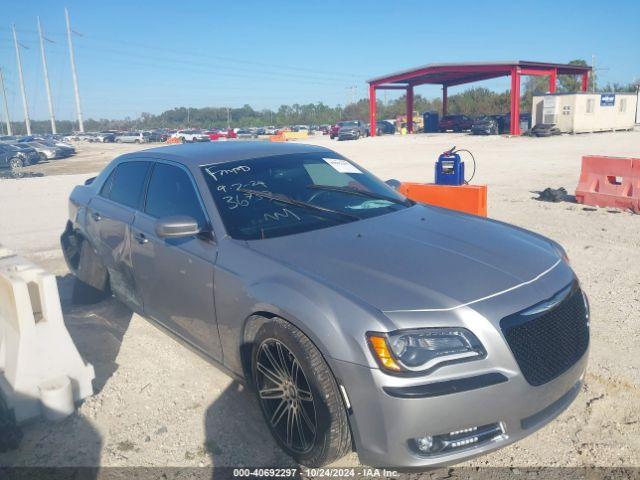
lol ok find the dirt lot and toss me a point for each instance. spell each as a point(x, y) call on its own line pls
point(157, 403)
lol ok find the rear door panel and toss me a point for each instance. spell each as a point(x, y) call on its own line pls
point(109, 226)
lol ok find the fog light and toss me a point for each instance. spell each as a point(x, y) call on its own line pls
point(424, 444)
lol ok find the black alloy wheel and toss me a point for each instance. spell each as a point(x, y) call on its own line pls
point(286, 396)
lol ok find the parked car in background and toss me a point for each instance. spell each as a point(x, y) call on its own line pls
point(10, 157)
point(335, 128)
point(132, 137)
point(487, 125)
point(191, 135)
point(67, 148)
point(384, 127)
point(246, 133)
point(104, 137)
point(352, 130)
point(418, 335)
point(270, 130)
point(544, 130)
point(456, 123)
point(48, 151)
point(156, 136)
point(28, 154)
point(86, 137)
point(221, 134)
point(325, 129)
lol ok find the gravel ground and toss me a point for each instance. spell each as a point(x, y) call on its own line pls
point(159, 404)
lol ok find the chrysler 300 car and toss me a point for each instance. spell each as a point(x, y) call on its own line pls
point(417, 335)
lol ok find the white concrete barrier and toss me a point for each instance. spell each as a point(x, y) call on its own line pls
point(35, 346)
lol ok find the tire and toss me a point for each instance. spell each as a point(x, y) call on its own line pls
point(136, 141)
point(15, 163)
point(118, 140)
point(183, 140)
point(308, 390)
point(43, 157)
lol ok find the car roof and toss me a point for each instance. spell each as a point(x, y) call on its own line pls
point(199, 154)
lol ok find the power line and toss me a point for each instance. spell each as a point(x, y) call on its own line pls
point(119, 55)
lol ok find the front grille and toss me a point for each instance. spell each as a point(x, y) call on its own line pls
point(547, 344)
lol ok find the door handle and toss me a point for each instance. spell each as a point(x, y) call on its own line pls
point(141, 238)
point(96, 216)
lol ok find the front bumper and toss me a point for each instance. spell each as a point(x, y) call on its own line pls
point(384, 425)
point(348, 135)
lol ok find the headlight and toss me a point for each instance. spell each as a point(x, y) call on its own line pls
point(424, 349)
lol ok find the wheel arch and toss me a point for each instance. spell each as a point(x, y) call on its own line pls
point(254, 322)
point(95, 274)
point(252, 326)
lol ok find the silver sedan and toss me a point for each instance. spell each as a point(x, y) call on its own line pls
point(417, 335)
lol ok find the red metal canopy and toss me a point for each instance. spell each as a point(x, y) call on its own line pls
point(451, 74)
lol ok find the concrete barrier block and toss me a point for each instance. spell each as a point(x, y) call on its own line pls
point(35, 345)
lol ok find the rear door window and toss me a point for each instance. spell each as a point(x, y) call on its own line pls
point(128, 183)
point(171, 192)
point(105, 191)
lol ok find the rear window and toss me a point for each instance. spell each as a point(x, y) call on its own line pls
point(126, 184)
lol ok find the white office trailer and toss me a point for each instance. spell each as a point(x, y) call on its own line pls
point(585, 112)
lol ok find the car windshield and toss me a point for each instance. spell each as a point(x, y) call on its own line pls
point(348, 124)
point(316, 190)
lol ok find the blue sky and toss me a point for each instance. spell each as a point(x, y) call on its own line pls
point(142, 56)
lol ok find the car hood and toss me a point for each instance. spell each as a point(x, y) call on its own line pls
point(418, 258)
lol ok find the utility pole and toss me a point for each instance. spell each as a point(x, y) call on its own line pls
point(228, 119)
point(27, 122)
point(6, 105)
point(52, 117)
point(74, 74)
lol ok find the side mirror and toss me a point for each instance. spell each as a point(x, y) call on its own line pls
point(178, 226)
point(393, 183)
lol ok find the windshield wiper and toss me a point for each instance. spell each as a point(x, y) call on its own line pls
point(362, 193)
point(278, 197)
